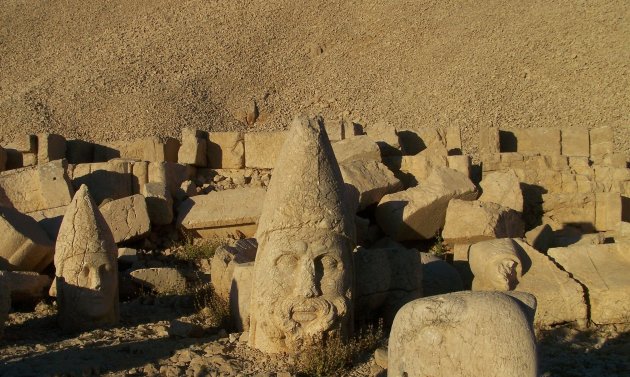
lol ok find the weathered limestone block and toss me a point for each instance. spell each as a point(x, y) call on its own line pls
point(495, 265)
point(386, 137)
point(263, 148)
point(361, 147)
point(303, 272)
point(86, 267)
point(105, 180)
point(576, 209)
point(422, 164)
point(155, 150)
point(172, 174)
point(50, 147)
point(616, 160)
point(475, 221)
point(240, 295)
point(37, 188)
point(387, 277)
point(24, 143)
point(463, 334)
point(418, 212)
point(438, 276)
point(416, 140)
point(601, 142)
point(453, 140)
point(608, 208)
point(576, 142)
point(24, 246)
point(337, 130)
point(460, 163)
point(159, 203)
point(603, 270)
point(225, 259)
point(502, 188)
point(540, 238)
point(534, 141)
point(371, 179)
point(160, 279)
point(610, 179)
point(221, 213)
point(27, 287)
point(489, 141)
point(194, 148)
point(128, 218)
point(560, 298)
point(226, 150)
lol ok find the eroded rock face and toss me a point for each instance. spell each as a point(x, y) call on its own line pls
point(495, 264)
point(463, 334)
point(86, 268)
point(303, 269)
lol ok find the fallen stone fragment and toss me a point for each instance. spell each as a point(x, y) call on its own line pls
point(159, 203)
point(222, 268)
point(419, 212)
point(128, 218)
point(37, 188)
point(221, 213)
point(240, 294)
point(262, 148)
point(193, 150)
point(50, 147)
point(474, 221)
point(502, 188)
point(27, 287)
point(603, 270)
point(463, 334)
point(540, 238)
point(160, 279)
point(422, 164)
point(459, 163)
point(226, 150)
point(438, 276)
point(560, 298)
point(371, 179)
point(127, 255)
point(24, 245)
point(355, 148)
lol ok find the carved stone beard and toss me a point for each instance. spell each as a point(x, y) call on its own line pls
point(305, 321)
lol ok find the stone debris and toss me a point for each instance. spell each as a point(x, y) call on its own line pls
point(160, 279)
point(24, 245)
point(419, 212)
point(222, 213)
point(449, 331)
point(603, 271)
point(370, 179)
point(86, 268)
point(473, 221)
point(360, 147)
point(128, 218)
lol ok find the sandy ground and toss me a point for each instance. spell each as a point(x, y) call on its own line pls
point(120, 69)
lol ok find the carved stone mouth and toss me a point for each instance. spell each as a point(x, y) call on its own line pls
point(306, 311)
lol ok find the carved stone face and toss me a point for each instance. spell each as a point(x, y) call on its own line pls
point(91, 286)
point(305, 282)
point(503, 274)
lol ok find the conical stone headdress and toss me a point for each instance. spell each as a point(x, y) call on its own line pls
point(306, 189)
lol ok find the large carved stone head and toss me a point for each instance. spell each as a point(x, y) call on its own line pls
point(86, 267)
point(302, 287)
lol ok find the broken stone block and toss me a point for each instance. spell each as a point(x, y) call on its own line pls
point(460, 163)
point(419, 212)
point(489, 141)
point(601, 142)
point(172, 174)
point(27, 287)
point(502, 188)
point(608, 208)
point(222, 213)
point(193, 150)
point(240, 295)
point(160, 279)
point(127, 255)
point(495, 264)
point(603, 270)
point(336, 130)
point(24, 143)
point(371, 179)
point(50, 147)
point(453, 140)
point(360, 147)
point(540, 238)
point(464, 334)
point(416, 140)
point(159, 203)
point(575, 209)
point(386, 137)
point(105, 180)
point(37, 188)
point(576, 142)
point(475, 221)
point(155, 150)
point(224, 261)
point(422, 164)
point(263, 148)
point(226, 150)
point(438, 276)
point(533, 141)
point(49, 220)
point(128, 218)
point(610, 179)
point(25, 246)
point(560, 298)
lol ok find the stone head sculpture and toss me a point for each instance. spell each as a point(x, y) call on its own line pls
point(86, 267)
point(302, 282)
point(495, 265)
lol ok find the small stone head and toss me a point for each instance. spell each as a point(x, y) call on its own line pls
point(303, 270)
point(495, 265)
point(86, 267)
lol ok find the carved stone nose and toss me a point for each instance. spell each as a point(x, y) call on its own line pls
point(306, 281)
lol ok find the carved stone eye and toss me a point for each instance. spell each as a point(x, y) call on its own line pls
point(286, 261)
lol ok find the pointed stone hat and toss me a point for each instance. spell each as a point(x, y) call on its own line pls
point(83, 231)
point(306, 189)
